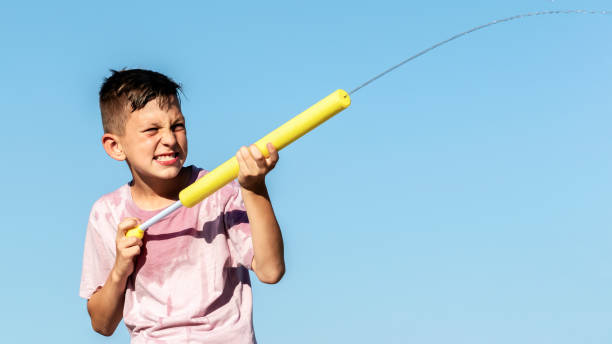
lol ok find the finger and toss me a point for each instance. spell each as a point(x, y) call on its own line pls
point(257, 155)
point(130, 252)
point(242, 163)
point(125, 225)
point(240, 159)
point(250, 163)
point(125, 242)
point(273, 158)
point(258, 158)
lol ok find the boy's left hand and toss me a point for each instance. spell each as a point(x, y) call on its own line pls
point(254, 166)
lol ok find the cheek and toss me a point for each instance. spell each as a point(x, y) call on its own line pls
point(182, 141)
point(145, 146)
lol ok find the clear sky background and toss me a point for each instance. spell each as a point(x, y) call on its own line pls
point(464, 198)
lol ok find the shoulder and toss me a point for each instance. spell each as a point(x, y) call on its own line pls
point(105, 210)
point(114, 199)
point(198, 172)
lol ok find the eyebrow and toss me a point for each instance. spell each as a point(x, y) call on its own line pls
point(179, 119)
point(156, 123)
point(151, 124)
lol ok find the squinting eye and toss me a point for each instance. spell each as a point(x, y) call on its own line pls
point(150, 130)
point(179, 126)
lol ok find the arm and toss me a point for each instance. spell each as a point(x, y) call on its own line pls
point(268, 260)
point(105, 306)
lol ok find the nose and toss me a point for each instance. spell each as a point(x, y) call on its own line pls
point(168, 137)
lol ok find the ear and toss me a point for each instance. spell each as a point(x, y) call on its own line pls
point(112, 146)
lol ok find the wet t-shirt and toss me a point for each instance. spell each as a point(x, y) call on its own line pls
point(191, 281)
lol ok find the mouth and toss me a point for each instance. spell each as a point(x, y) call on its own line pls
point(166, 158)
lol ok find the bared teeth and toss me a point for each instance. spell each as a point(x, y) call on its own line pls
point(166, 157)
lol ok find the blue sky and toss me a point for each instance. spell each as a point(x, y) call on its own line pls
point(465, 198)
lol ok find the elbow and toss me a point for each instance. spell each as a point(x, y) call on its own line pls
point(99, 324)
point(103, 330)
point(272, 275)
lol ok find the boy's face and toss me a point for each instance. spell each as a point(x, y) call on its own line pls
point(154, 141)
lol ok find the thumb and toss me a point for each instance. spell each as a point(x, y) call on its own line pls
point(125, 225)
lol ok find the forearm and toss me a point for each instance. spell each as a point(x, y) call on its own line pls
point(105, 306)
point(268, 260)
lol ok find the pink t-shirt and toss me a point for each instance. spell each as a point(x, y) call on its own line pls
point(191, 281)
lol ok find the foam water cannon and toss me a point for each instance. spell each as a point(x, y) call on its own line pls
point(281, 137)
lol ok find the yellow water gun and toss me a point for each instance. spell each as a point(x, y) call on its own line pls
point(228, 171)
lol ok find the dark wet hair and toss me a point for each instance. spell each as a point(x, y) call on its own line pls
point(126, 91)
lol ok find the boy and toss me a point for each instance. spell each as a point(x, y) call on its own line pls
point(187, 279)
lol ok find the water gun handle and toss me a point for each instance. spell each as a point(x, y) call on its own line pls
point(135, 232)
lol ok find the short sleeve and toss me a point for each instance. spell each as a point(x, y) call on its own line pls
point(98, 254)
point(238, 229)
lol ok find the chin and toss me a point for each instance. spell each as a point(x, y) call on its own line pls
point(169, 172)
point(159, 171)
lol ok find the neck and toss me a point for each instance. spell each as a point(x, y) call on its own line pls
point(150, 194)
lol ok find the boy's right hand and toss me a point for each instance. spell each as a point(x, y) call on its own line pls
point(126, 249)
